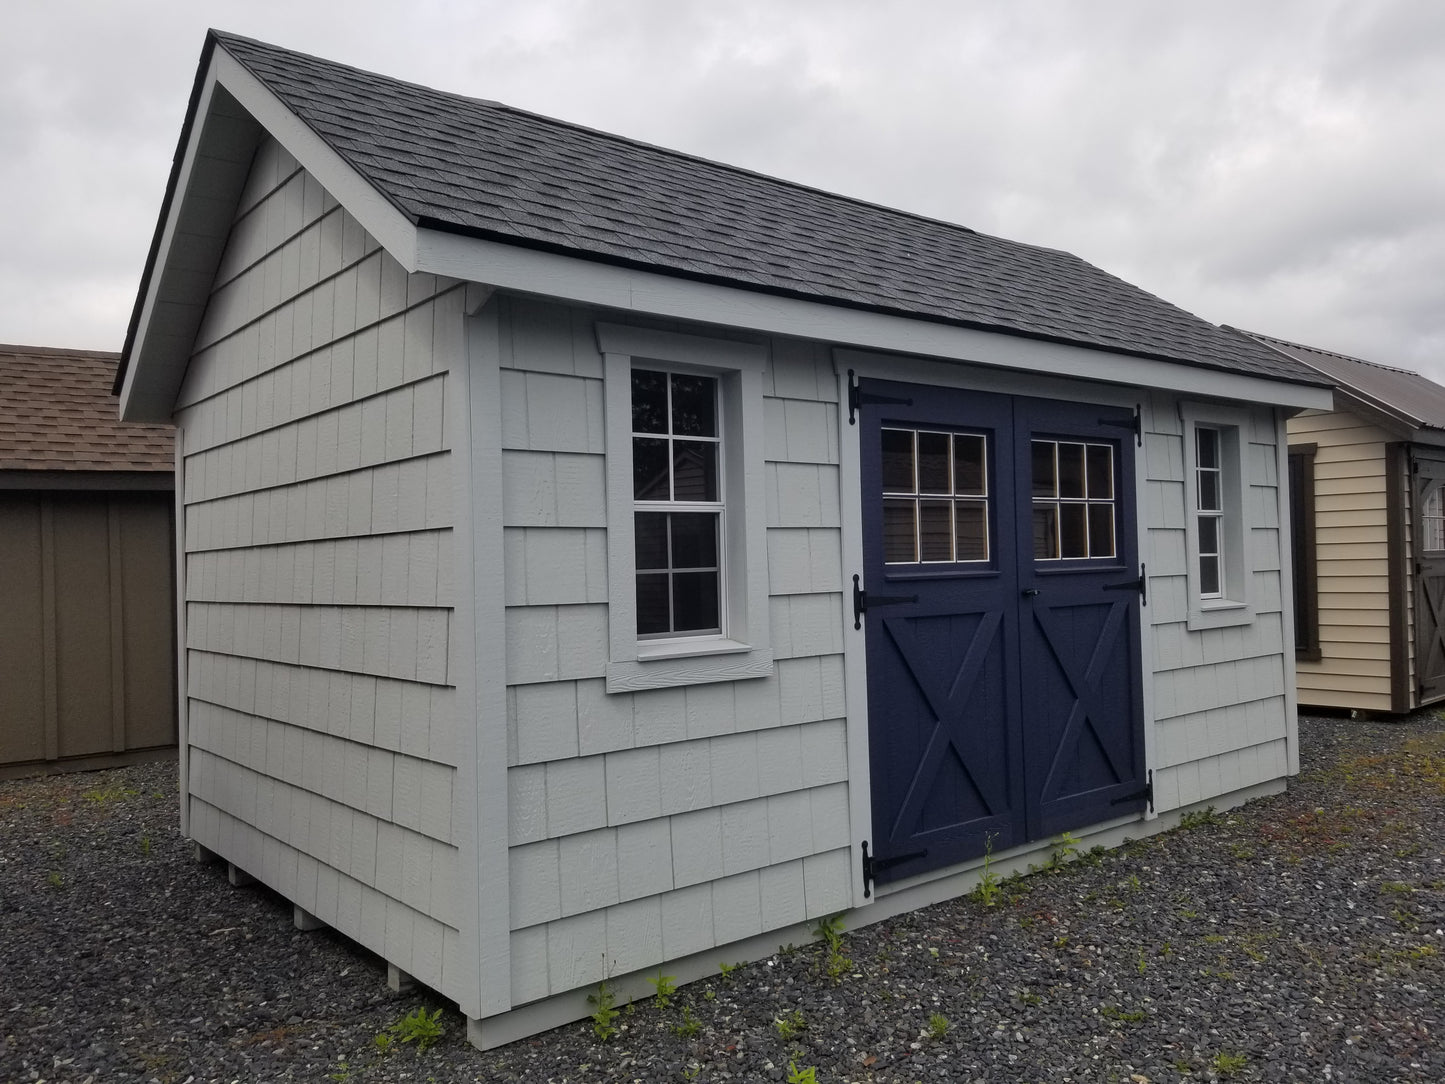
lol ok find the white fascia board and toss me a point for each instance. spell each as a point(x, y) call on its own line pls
point(131, 408)
point(512, 267)
point(377, 215)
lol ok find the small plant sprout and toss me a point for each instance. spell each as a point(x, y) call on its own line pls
point(937, 1026)
point(604, 1012)
point(806, 1075)
point(417, 1027)
point(987, 890)
point(689, 1026)
point(1199, 818)
point(145, 846)
point(789, 1024)
point(830, 930)
point(1065, 850)
point(666, 986)
point(1229, 1064)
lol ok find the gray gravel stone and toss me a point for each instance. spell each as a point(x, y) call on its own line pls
point(1300, 938)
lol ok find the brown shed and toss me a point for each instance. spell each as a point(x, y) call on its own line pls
point(87, 604)
point(1367, 501)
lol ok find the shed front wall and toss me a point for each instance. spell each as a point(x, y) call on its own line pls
point(315, 475)
point(648, 826)
point(1352, 562)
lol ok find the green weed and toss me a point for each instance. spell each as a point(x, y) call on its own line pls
point(937, 1026)
point(665, 986)
point(987, 890)
point(416, 1027)
point(689, 1026)
point(789, 1025)
point(1199, 818)
point(604, 1012)
point(1229, 1064)
point(806, 1075)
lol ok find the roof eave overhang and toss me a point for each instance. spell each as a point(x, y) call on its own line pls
point(551, 274)
point(230, 109)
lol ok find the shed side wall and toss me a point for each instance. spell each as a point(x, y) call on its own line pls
point(1353, 670)
point(318, 513)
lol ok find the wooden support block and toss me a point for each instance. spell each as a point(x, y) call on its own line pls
point(238, 877)
point(305, 920)
point(399, 981)
point(205, 856)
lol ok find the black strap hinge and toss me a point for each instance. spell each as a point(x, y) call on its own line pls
point(1135, 424)
point(1141, 585)
point(862, 600)
point(873, 866)
point(856, 398)
point(1147, 794)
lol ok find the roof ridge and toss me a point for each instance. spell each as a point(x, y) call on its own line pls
point(57, 351)
point(613, 137)
point(1327, 353)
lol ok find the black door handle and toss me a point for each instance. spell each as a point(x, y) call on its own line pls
point(1029, 592)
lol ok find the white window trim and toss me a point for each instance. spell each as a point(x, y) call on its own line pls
point(744, 649)
point(1235, 604)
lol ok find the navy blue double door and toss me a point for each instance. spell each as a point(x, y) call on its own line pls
point(1000, 592)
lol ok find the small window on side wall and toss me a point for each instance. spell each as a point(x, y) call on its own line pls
point(686, 549)
point(1220, 568)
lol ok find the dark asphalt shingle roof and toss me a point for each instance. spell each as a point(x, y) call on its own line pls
point(470, 166)
point(57, 413)
point(1408, 395)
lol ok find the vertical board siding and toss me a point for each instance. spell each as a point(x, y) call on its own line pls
point(1352, 563)
point(651, 825)
point(318, 513)
point(1220, 714)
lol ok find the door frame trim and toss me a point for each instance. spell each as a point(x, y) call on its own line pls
point(851, 364)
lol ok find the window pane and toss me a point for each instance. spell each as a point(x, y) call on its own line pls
point(898, 461)
point(649, 401)
point(1045, 483)
point(694, 602)
point(899, 542)
point(1208, 534)
point(1209, 575)
point(1206, 447)
point(1101, 530)
point(1209, 491)
point(968, 465)
point(1071, 470)
point(650, 529)
point(933, 455)
point(1101, 472)
point(1073, 530)
point(694, 540)
point(694, 470)
point(652, 604)
point(694, 405)
point(1046, 530)
point(971, 518)
point(935, 530)
point(649, 469)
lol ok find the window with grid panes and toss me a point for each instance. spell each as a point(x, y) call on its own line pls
point(935, 497)
point(1209, 511)
point(1073, 500)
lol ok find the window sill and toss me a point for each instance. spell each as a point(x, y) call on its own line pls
point(689, 648)
point(1218, 613)
point(694, 662)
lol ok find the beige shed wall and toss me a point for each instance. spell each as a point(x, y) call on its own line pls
point(1353, 670)
point(316, 476)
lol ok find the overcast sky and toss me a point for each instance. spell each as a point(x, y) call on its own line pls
point(1278, 165)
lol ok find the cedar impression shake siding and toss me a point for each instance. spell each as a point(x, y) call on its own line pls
point(317, 535)
point(1221, 713)
point(647, 826)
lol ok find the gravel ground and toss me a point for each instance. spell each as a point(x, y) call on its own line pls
point(1296, 939)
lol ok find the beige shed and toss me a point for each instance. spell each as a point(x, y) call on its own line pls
point(87, 610)
point(1367, 500)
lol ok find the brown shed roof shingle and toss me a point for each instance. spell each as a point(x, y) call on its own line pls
point(57, 413)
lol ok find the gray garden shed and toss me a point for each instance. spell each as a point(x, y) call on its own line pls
point(598, 559)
